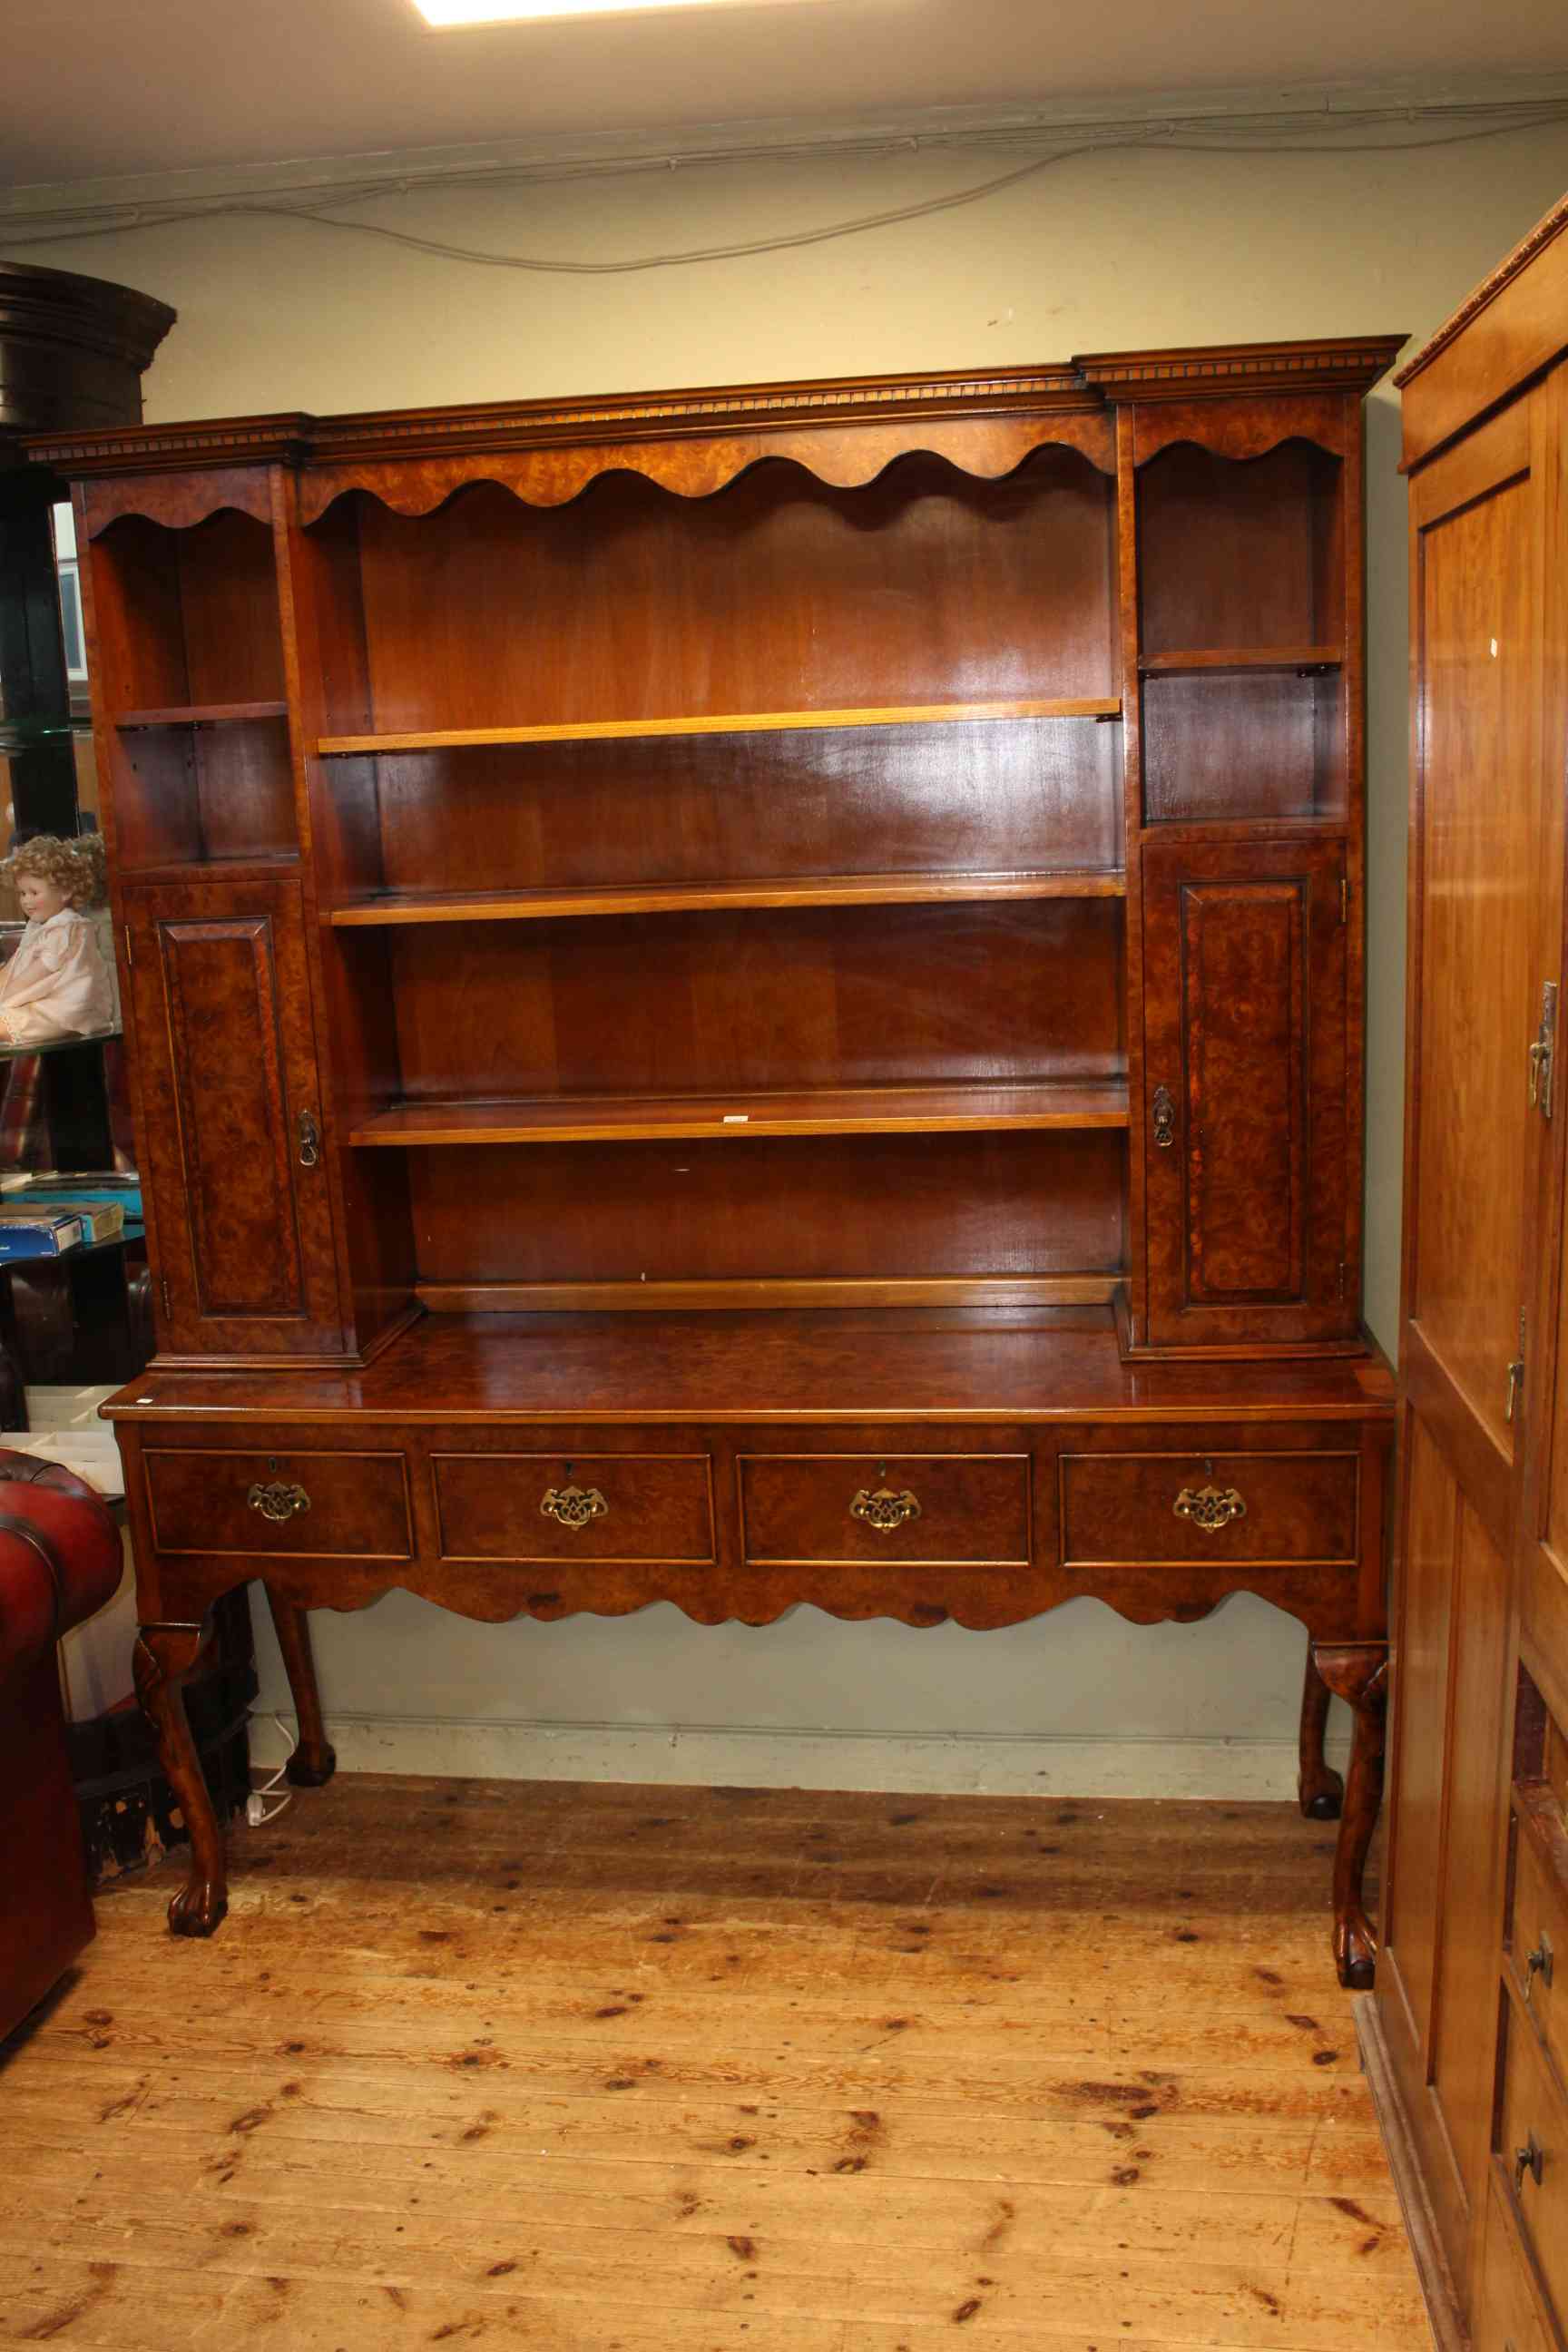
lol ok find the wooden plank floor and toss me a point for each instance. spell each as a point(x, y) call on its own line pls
point(602, 2069)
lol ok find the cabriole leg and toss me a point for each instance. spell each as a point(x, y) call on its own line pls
point(1357, 1672)
point(313, 1762)
point(1318, 1785)
point(165, 1656)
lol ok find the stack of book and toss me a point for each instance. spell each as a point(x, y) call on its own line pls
point(46, 1228)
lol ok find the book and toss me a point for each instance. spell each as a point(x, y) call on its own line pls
point(101, 1221)
point(40, 1233)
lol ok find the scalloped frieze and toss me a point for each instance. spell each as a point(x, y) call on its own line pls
point(844, 458)
point(177, 500)
point(1330, 419)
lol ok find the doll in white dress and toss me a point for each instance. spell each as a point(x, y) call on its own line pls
point(58, 983)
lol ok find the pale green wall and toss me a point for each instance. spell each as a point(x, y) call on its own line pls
point(1097, 254)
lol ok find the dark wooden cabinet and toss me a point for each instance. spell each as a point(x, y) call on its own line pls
point(817, 930)
point(1471, 2083)
point(1249, 1154)
point(230, 1096)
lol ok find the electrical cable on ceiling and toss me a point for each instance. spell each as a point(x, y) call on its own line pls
point(1245, 137)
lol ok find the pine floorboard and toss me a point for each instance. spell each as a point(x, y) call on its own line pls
point(598, 2069)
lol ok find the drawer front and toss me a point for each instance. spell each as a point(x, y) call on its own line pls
point(1535, 2123)
point(1538, 1926)
point(315, 1506)
point(547, 1506)
point(960, 1508)
point(1150, 1509)
point(1506, 2316)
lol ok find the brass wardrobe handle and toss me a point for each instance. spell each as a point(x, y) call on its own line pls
point(884, 1509)
point(1209, 1507)
point(1164, 1108)
point(310, 1139)
point(572, 1506)
point(277, 1499)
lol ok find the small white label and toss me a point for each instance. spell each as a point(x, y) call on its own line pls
point(737, 1119)
point(1494, 649)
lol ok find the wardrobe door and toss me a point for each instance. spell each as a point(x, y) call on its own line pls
point(1247, 1158)
point(239, 1222)
point(1485, 865)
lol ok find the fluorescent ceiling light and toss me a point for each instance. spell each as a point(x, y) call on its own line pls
point(447, 14)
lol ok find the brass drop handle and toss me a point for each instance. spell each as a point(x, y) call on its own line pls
point(1209, 1507)
point(1539, 1963)
point(310, 1139)
point(1531, 2158)
point(1164, 1107)
point(883, 1509)
point(572, 1506)
point(276, 1499)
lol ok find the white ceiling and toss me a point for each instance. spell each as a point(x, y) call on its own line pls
point(94, 89)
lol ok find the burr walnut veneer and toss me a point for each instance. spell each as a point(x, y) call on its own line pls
point(752, 996)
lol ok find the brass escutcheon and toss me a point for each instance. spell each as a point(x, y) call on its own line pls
point(884, 1510)
point(278, 1500)
point(1164, 1118)
point(572, 1506)
point(1209, 1507)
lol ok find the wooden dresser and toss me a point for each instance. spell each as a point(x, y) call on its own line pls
point(752, 996)
point(1467, 2037)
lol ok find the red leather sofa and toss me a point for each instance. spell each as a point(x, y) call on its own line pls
point(59, 1560)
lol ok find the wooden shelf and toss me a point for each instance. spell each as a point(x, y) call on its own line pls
point(203, 714)
point(1241, 658)
point(281, 863)
point(829, 1111)
point(746, 722)
point(668, 898)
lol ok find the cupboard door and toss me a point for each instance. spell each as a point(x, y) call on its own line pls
point(1248, 1145)
point(239, 1224)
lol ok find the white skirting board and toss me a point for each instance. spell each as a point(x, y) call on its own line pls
point(700, 1755)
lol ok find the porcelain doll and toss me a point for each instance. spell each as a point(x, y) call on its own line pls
point(58, 984)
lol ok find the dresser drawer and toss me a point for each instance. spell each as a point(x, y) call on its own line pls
point(343, 1506)
point(1538, 1921)
point(1150, 1509)
point(963, 1508)
point(1506, 2318)
point(1533, 2151)
point(549, 1507)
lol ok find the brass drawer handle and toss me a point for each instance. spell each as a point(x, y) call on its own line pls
point(1539, 1963)
point(572, 1506)
point(1531, 2158)
point(1209, 1507)
point(884, 1510)
point(277, 1499)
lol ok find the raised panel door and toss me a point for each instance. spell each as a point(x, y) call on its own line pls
point(1248, 1151)
point(238, 1214)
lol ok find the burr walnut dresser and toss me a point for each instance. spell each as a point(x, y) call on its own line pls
point(752, 996)
point(1466, 2039)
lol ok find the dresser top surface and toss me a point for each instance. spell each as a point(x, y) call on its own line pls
point(996, 1364)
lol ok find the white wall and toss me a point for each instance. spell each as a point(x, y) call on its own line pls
point(1097, 253)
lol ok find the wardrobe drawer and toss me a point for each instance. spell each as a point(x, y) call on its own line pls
point(1538, 1923)
point(352, 1506)
point(1507, 2319)
point(1532, 2150)
point(938, 1507)
point(610, 1506)
point(1147, 1509)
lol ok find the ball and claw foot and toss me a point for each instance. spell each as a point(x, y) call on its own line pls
point(1355, 1955)
point(310, 1766)
point(1322, 1797)
point(199, 1908)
